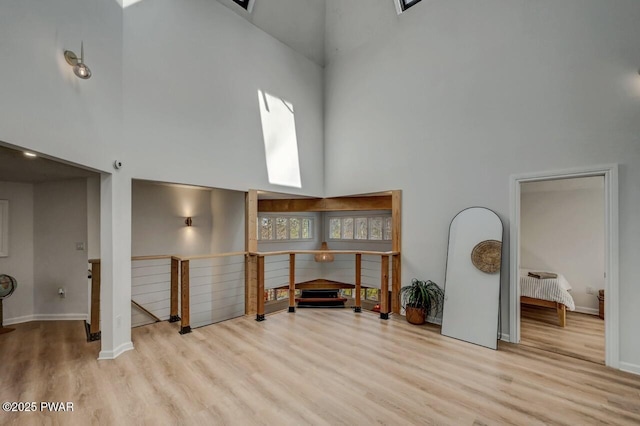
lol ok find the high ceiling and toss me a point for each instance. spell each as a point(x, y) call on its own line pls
point(300, 24)
point(16, 167)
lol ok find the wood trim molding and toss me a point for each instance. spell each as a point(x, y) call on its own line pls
point(382, 202)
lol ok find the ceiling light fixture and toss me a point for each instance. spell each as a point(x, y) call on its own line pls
point(325, 256)
point(30, 154)
point(79, 68)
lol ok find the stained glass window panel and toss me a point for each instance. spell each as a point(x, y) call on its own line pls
point(347, 228)
point(266, 228)
point(334, 228)
point(375, 233)
point(387, 228)
point(361, 228)
point(282, 294)
point(281, 228)
point(306, 228)
point(294, 228)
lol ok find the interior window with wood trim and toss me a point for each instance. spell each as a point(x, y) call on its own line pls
point(368, 228)
point(285, 228)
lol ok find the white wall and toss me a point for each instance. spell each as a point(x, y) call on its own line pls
point(449, 99)
point(19, 263)
point(60, 221)
point(227, 209)
point(93, 217)
point(158, 219)
point(192, 75)
point(562, 229)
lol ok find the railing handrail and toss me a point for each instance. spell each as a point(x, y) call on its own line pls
point(365, 252)
point(257, 253)
point(212, 256)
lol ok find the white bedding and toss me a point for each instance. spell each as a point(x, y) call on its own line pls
point(552, 289)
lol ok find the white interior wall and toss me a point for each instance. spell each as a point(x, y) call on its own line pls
point(562, 230)
point(449, 99)
point(93, 217)
point(158, 219)
point(60, 222)
point(197, 112)
point(19, 263)
point(227, 209)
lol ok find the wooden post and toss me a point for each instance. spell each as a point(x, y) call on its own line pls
point(185, 326)
point(292, 282)
point(396, 246)
point(173, 314)
point(260, 307)
point(251, 246)
point(395, 284)
point(358, 307)
point(94, 326)
point(384, 288)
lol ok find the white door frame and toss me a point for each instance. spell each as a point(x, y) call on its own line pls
point(612, 301)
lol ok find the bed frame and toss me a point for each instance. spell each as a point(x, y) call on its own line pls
point(559, 307)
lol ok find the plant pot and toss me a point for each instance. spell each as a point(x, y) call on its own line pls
point(415, 315)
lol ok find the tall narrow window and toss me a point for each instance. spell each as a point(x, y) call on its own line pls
point(334, 228)
point(361, 228)
point(294, 228)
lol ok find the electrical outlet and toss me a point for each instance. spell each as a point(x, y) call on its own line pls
point(590, 290)
point(62, 293)
point(80, 246)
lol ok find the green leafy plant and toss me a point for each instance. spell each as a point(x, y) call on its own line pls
point(425, 296)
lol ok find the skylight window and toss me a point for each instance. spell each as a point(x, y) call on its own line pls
point(402, 5)
point(247, 4)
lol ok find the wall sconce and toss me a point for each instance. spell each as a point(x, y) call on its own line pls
point(79, 68)
point(188, 221)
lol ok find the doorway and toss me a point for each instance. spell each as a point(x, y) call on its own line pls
point(608, 174)
point(562, 235)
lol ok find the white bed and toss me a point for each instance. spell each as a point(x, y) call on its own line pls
point(549, 292)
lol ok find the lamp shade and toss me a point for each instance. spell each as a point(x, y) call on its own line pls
point(324, 257)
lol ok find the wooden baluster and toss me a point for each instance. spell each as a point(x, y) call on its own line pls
point(292, 282)
point(260, 310)
point(358, 307)
point(185, 326)
point(94, 327)
point(395, 284)
point(173, 315)
point(384, 288)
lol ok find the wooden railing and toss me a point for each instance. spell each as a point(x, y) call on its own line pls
point(180, 283)
point(94, 332)
point(386, 306)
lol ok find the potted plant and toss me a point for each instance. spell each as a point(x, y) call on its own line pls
point(420, 299)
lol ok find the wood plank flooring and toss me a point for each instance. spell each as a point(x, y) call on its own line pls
point(320, 367)
point(583, 337)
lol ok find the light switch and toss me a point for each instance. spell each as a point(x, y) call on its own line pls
point(79, 246)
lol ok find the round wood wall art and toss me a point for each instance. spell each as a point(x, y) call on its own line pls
point(486, 256)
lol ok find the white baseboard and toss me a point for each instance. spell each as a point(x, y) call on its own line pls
point(590, 311)
point(46, 317)
point(505, 337)
point(630, 368)
point(128, 346)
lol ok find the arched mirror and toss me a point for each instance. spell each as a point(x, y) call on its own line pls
point(472, 281)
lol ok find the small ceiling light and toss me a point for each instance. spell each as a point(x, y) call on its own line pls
point(30, 154)
point(326, 256)
point(188, 221)
point(79, 67)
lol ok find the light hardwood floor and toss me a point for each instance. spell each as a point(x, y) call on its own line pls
point(583, 336)
point(313, 367)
